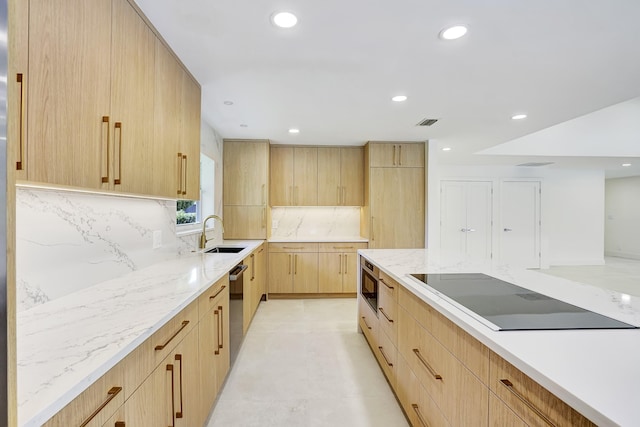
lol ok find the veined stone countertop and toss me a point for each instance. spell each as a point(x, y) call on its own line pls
point(314, 239)
point(594, 371)
point(68, 343)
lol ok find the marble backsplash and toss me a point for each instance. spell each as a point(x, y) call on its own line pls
point(315, 222)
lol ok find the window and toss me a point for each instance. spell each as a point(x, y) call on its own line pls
point(193, 211)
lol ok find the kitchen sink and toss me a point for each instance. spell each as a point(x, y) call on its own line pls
point(224, 250)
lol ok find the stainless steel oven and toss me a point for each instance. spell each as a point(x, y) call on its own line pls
point(369, 283)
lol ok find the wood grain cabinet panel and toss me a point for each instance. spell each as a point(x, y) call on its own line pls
point(291, 272)
point(294, 176)
point(281, 179)
point(340, 176)
point(397, 154)
point(190, 137)
point(501, 415)
point(337, 267)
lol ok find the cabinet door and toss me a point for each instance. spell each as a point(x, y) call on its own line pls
point(262, 272)
point(68, 93)
point(187, 382)
point(208, 337)
point(305, 273)
point(280, 273)
point(190, 137)
point(305, 176)
point(245, 222)
point(330, 189)
point(167, 170)
point(397, 208)
point(352, 176)
point(141, 408)
point(245, 173)
point(411, 155)
point(350, 272)
point(330, 272)
point(501, 415)
point(281, 192)
point(383, 154)
point(132, 83)
point(223, 359)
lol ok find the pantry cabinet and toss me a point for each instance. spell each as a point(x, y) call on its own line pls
point(88, 93)
point(340, 176)
point(246, 188)
point(294, 176)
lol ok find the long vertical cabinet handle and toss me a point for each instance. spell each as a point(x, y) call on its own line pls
point(184, 181)
point(173, 397)
point(179, 174)
point(372, 235)
point(345, 263)
point(118, 128)
point(19, 78)
point(394, 154)
point(216, 314)
point(400, 155)
point(340, 268)
point(221, 335)
point(178, 358)
point(253, 267)
point(105, 179)
point(417, 411)
point(289, 272)
point(295, 264)
point(509, 386)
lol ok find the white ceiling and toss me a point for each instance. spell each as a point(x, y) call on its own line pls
point(332, 76)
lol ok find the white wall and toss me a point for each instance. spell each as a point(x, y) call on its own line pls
point(572, 208)
point(622, 206)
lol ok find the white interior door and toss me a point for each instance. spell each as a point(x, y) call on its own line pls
point(479, 209)
point(453, 218)
point(520, 223)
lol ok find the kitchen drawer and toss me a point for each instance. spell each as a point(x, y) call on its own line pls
point(144, 359)
point(515, 388)
point(389, 285)
point(368, 322)
point(501, 415)
point(209, 297)
point(387, 314)
point(293, 247)
point(473, 354)
point(386, 353)
point(97, 403)
point(341, 246)
point(420, 408)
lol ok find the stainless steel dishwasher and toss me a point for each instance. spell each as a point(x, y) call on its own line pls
point(235, 309)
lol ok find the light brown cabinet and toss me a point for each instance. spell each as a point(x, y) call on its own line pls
point(397, 208)
point(294, 176)
point(190, 138)
point(253, 286)
point(293, 268)
point(245, 189)
point(337, 267)
point(396, 154)
point(85, 100)
point(340, 176)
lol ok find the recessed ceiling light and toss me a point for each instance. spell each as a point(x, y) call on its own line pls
point(519, 117)
point(284, 19)
point(399, 98)
point(294, 130)
point(626, 165)
point(453, 33)
point(244, 126)
point(446, 149)
point(228, 102)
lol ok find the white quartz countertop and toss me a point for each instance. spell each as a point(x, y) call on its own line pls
point(68, 343)
point(313, 239)
point(597, 372)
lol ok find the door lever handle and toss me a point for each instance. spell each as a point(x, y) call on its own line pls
point(508, 229)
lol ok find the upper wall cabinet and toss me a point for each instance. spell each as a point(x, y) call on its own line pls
point(340, 176)
point(85, 88)
point(395, 154)
point(294, 176)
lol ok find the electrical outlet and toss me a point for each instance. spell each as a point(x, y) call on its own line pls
point(274, 223)
point(157, 239)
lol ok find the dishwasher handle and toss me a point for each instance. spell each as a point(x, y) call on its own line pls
point(237, 272)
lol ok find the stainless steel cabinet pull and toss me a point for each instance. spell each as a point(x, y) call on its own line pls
point(509, 385)
point(118, 127)
point(105, 179)
point(110, 395)
point(178, 358)
point(364, 319)
point(385, 314)
point(433, 373)
point(19, 79)
point(217, 293)
point(385, 283)
point(184, 325)
point(385, 356)
point(173, 397)
point(417, 411)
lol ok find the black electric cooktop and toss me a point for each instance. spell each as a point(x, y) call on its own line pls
point(513, 308)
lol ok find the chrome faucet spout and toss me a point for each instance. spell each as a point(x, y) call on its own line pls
point(203, 236)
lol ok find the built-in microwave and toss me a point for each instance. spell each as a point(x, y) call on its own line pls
point(369, 283)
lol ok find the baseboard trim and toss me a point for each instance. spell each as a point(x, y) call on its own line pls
point(628, 255)
point(312, 296)
point(592, 261)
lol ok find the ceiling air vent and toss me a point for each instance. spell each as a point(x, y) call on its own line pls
point(427, 122)
point(535, 164)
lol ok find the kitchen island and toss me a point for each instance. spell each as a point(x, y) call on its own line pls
point(593, 371)
point(67, 344)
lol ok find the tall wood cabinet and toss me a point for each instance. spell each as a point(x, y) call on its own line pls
point(245, 188)
point(395, 213)
point(294, 176)
point(85, 86)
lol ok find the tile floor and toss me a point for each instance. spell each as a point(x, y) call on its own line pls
point(618, 274)
point(303, 364)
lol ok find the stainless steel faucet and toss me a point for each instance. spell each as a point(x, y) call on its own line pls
point(203, 236)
